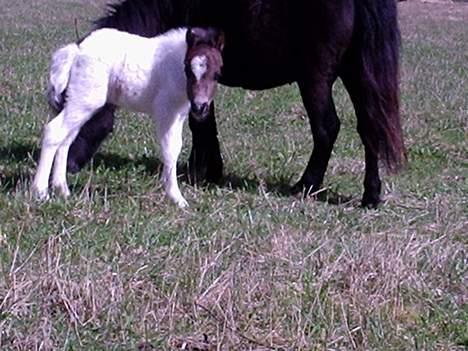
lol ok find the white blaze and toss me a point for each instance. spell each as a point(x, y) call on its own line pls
point(199, 66)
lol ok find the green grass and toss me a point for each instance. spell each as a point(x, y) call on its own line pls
point(247, 266)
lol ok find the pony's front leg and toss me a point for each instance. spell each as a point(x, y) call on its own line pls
point(170, 137)
point(205, 162)
point(53, 136)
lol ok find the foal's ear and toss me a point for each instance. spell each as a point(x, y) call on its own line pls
point(220, 40)
point(210, 36)
point(194, 36)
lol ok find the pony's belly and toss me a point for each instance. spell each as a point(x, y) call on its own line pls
point(133, 93)
point(257, 78)
point(131, 100)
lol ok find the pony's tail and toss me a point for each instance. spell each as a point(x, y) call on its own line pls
point(60, 66)
point(375, 52)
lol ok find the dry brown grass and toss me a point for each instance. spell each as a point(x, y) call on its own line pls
point(247, 267)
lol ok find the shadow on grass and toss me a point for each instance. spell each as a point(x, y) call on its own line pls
point(151, 165)
point(19, 154)
point(280, 188)
point(22, 153)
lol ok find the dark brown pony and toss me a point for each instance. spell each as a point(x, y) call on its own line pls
point(273, 42)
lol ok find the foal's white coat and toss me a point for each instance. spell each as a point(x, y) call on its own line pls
point(141, 74)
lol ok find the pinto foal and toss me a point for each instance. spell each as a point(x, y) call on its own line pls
point(165, 76)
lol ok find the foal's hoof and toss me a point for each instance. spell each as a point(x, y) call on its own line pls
point(40, 195)
point(182, 203)
point(63, 190)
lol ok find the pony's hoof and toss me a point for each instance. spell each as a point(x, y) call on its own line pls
point(73, 167)
point(182, 203)
point(370, 202)
point(62, 189)
point(40, 195)
point(205, 165)
point(302, 190)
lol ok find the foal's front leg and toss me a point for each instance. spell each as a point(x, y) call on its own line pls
point(169, 129)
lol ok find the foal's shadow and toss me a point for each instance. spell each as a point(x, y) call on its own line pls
point(20, 153)
point(150, 165)
point(23, 153)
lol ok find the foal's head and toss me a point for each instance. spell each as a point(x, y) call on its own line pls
point(203, 63)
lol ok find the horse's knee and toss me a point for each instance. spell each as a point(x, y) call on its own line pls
point(54, 133)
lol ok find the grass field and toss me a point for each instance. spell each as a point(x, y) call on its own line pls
point(246, 267)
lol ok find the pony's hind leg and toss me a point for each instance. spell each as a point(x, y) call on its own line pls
point(370, 74)
point(90, 137)
point(59, 133)
point(357, 90)
point(77, 113)
point(87, 92)
point(53, 136)
point(320, 61)
point(325, 126)
point(59, 180)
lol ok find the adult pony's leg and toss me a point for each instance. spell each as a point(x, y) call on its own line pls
point(357, 88)
point(325, 125)
point(328, 36)
point(370, 74)
point(90, 137)
point(205, 162)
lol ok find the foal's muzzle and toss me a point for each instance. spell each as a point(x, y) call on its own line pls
point(200, 111)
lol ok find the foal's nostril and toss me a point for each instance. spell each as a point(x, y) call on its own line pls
point(200, 109)
point(204, 108)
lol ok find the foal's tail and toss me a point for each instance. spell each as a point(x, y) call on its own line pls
point(372, 71)
point(61, 64)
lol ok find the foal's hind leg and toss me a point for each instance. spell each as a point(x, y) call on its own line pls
point(59, 178)
point(90, 137)
point(77, 112)
point(53, 136)
point(58, 136)
point(87, 92)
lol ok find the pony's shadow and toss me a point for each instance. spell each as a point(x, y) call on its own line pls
point(281, 188)
point(23, 153)
point(153, 166)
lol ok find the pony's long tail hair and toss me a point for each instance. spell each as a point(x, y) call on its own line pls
point(60, 67)
point(375, 52)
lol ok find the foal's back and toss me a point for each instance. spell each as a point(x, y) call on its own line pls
point(138, 67)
